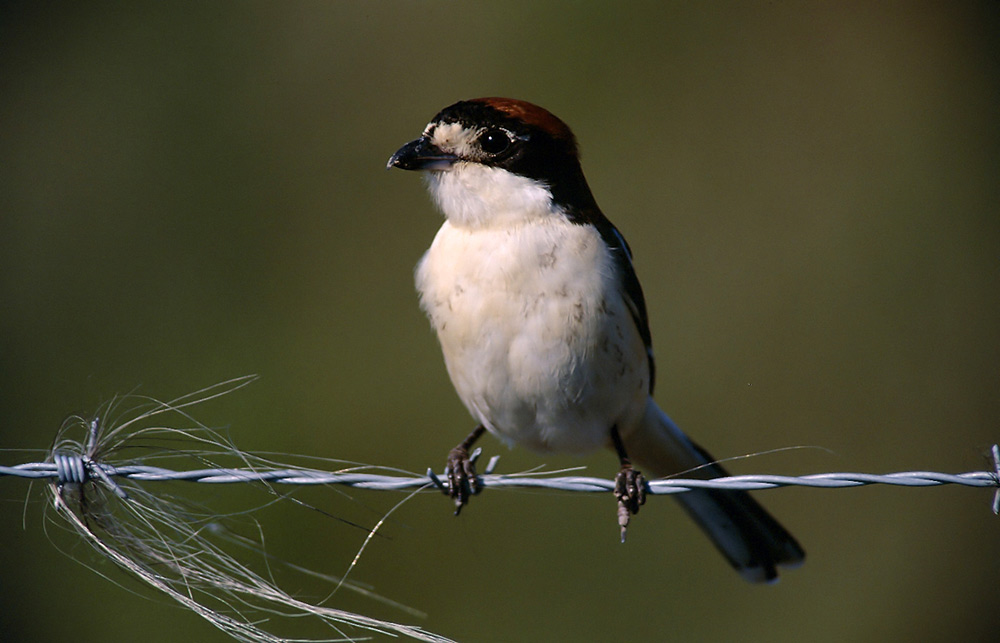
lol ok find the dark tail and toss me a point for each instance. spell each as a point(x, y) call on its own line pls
point(753, 542)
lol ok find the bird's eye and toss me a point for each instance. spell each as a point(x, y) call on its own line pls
point(494, 141)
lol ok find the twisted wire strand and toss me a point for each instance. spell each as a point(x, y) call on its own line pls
point(74, 468)
point(180, 550)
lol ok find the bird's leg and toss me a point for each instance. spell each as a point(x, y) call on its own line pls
point(462, 481)
point(630, 485)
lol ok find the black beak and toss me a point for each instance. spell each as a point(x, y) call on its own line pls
point(421, 154)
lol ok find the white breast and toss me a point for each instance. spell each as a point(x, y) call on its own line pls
point(536, 337)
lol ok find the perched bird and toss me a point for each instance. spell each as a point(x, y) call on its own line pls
point(543, 324)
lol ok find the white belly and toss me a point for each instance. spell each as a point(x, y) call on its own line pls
point(538, 342)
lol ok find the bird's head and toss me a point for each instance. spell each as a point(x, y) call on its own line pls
point(493, 160)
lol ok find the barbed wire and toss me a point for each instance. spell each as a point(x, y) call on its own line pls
point(185, 551)
point(213, 563)
point(77, 468)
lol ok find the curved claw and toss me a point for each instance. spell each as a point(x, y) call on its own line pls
point(462, 480)
point(630, 490)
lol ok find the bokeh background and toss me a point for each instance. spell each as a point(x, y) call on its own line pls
point(195, 191)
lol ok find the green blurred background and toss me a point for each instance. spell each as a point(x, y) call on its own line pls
point(194, 191)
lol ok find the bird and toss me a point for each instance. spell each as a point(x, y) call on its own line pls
point(543, 324)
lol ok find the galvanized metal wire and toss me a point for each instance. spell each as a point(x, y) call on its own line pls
point(77, 468)
point(102, 477)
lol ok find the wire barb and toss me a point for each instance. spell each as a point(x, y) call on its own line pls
point(69, 469)
point(995, 452)
point(78, 469)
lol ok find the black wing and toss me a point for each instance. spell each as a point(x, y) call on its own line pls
point(631, 289)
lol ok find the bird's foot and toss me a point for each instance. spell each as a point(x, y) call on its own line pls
point(462, 480)
point(630, 490)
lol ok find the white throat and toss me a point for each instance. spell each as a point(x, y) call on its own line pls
point(476, 196)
